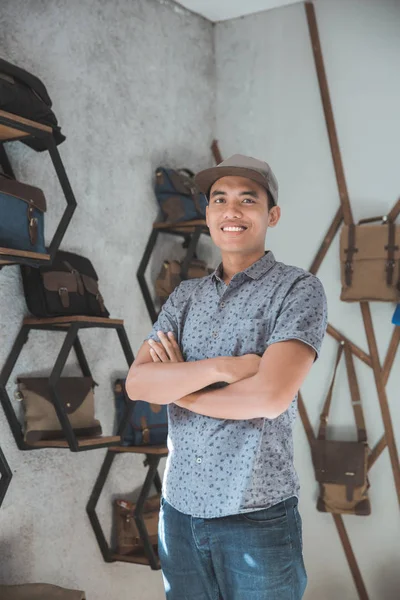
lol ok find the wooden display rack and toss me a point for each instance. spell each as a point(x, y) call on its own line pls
point(71, 326)
point(14, 128)
point(381, 374)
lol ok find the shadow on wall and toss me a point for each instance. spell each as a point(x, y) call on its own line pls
point(10, 557)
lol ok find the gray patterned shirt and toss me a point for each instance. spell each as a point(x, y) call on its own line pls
point(219, 467)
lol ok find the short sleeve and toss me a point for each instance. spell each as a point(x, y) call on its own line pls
point(167, 319)
point(303, 315)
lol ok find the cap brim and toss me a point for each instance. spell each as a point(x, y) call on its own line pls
point(205, 179)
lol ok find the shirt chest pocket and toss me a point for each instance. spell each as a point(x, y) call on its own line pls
point(250, 337)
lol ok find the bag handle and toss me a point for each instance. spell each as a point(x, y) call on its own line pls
point(187, 171)
point(354, 392)
point(355, 395)
point(325, 411)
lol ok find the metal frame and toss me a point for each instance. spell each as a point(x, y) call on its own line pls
point(152, 462)
point(6, 476)
point(71, 341)
point(61, 175)
point(190, 242)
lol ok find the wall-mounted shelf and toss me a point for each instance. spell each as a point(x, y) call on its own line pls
point(6, 476)
point(190, 231)
point(14, 128)
point(71, 326)
point(148, 556)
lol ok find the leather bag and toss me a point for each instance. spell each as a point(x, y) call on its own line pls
point(171, 276)
point(68, 287)
point(370, 261)
point(147, 424)
point(40, 418)
point(177, 195)
point(341, 467)
point(129, 540)
point(22, 209)
point(24, 94)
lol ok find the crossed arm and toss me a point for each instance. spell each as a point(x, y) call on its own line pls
point(258, 387)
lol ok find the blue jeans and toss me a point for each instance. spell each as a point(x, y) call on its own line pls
point(250, 556)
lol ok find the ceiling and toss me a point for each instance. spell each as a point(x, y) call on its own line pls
point(221, 10)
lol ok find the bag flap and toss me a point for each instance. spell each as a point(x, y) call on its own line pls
point(370, 240)
point(29, 194)
point(72, 390)
point(77, 262)
point(27, 78)
point(53, 281)
point(169, 180)
point(340, 462)
point(90, 284)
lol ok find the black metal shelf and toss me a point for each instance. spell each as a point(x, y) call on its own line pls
point(14, 128)
point(148, 556)
point(191, 232)
point(6, 476)
point(71, 326)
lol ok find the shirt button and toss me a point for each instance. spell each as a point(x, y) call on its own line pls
point(198, 460)
point(215, 334)
point(222, 304)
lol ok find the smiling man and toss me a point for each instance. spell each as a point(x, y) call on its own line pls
point(228, 355)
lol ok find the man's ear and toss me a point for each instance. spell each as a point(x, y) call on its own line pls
point(274, 215)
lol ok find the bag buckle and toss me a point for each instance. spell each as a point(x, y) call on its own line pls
point(64, 296)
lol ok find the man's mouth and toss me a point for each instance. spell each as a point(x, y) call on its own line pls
point(233, 229)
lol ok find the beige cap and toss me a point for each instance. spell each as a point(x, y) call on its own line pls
point(240, 166)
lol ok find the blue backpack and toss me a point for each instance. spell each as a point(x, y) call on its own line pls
point(148, 423)
point(178, 196)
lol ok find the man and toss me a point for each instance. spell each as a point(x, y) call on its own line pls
point(228, 355)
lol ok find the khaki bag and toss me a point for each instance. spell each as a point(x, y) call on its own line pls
point(170, 276)
point(39, 591)
point(341, 467)
point(370, 261)
point(41, 421)
point(129, 540)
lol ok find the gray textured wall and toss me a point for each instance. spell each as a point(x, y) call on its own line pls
point(268, 105)
point(132, 84)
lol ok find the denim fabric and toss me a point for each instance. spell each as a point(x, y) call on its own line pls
point(252, 556)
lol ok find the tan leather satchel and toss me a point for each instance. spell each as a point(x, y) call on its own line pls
point(128, 537)
point(341, 467)
point(170, 276)
point(41, 421)
point(39, 591)
point(370, 261)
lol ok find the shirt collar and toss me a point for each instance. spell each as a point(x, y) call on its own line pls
point(255, 271)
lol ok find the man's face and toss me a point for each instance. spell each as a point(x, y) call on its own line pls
point(241, 203)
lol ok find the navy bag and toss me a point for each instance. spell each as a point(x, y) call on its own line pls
point(178, 196)
point(148, 423)
point(22, 209)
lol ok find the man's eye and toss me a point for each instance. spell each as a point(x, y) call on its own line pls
point(250, 199)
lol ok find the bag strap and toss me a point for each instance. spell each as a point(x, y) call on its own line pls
point(354, 392)
point(355, 395)
point(325, 411)
point(350, 251)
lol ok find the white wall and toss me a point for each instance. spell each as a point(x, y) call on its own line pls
point(268, 106)
point(133, 87)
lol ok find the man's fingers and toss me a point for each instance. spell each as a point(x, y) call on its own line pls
point(175, 346)
point(154, 355)
point(167, 343)
point(159, 351)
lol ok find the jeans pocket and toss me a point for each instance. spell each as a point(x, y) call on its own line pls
point(275, 515)
point(299, 525)
point(162, 501)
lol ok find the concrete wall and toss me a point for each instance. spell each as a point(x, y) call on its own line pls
point(268, 105)
point(133, 87)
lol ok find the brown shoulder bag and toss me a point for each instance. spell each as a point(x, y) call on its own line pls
point(341, 468)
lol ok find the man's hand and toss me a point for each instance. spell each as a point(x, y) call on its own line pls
point(167, 350)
